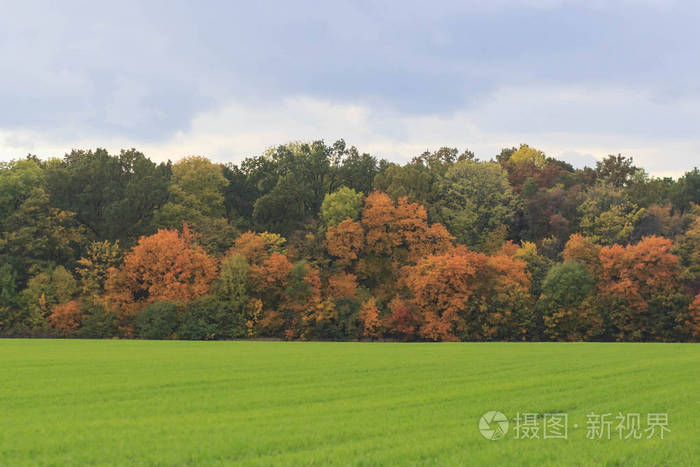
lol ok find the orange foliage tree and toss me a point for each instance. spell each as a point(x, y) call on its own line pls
point(342, 285)
point(165, 266)
point(583, 250)
point(388, 236)
point(269, 269)
point(66, 316)
point(467, 295)
point(371, 323)
point(346, 241)
point(640, 285)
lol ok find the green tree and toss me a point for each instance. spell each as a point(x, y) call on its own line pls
point(232, 284)
point(37, 236)
point(687, 191)
point(43, 292)
point(475, 201)
point(197, 197)
point(566, 303)
point(419, 179)
point(344, 203)
point(196, 191)
point(158, 320)
point(93, 268)
point(18, 179)
point(607, 217)
point(616, 170)
point(114, 196)
point(8, 297)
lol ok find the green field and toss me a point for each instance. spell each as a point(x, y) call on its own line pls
point(166, 403)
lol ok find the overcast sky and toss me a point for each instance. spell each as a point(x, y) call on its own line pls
point(225, 79)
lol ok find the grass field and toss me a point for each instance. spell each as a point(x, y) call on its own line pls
point(164, 403)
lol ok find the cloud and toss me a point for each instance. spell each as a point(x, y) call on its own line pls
point(228, 79)
point(578, 160)
point(537, 116)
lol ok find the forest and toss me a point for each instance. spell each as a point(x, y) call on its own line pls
point(311, 241)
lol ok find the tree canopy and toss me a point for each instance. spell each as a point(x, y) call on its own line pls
point(311, 240)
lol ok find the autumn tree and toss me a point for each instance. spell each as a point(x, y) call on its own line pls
point(528, 155)
point(166, 266)
point(465, 295)
point(93, 268)
point(45, 291)
point(307, 316)
point(388, 236)
point(66, 317)
point(583, 250)
point(267, 278)
point(346, 241)
point(371, 320)
point(692, 324)
point(641, 290)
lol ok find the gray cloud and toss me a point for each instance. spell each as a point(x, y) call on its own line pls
point(142, 72)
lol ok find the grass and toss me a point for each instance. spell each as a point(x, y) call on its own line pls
point(193, 403)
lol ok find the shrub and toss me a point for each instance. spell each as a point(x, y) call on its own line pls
point(210, 318)
point(97, 322)
point(156, 321)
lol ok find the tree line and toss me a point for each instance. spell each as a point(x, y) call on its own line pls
point(318, 241)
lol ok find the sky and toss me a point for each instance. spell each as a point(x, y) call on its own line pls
point(227, 79)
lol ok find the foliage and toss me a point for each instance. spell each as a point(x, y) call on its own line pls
point(167, 265)
point(345, 203)
point(527, 155)
point(467, 295)
point(195, 191)
point(158, 320)
point(475, 200)
point(320, 241)
point(94, 267)
point(208, 318)
point(637, 279)
point(97, 322)
point(114, 197)
point(566, 303)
